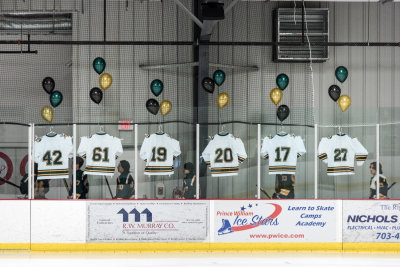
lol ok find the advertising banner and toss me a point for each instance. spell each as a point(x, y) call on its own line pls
point(277, 221)
point(371, 221)
point(147, 221)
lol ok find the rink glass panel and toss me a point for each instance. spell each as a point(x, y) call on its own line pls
point(304, 188)
point(241, 186)
point(13, 159)
point(389, 152)
point(163, 186)
point(57, 188)
point(348, 186)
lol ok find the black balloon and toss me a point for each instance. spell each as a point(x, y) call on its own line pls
point(283, 112)
point(208, 84)
point(153, 106)
point(96, 95)
point(334, 92)
point(48, 84)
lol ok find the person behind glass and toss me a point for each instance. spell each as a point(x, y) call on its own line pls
point(189, 181)
point(383, 185)
point(82, 182)
point(41, 187)
point(284, 186)
point(125, 182)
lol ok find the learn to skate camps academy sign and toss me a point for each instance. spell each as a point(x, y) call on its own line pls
point(147, 221)
point(277, 221)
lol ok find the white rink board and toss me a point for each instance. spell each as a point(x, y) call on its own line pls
point(15, 221)
point(58, 221)
point(148, 221)
point(294, 221)
point(371, 221)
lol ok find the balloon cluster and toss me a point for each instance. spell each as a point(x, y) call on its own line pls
point(152, 104)
point(209, 86)
point(56, 98)
point(105, 80)
point(334, 91)
point(282, 81)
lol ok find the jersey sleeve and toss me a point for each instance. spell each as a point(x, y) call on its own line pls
point(176, 148)
point(38, 151)
point(83, 146)
point(323, 150)
point(265, 148)
point(241, 151)
point(69, 147)
point(206, 155)
point(118, 145)
point(145, 150)
point(360, 152)
point(301, 150)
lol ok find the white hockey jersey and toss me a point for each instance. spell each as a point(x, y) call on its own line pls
point(282, 151)
point(223, 155)
point(339, 151)
point(100, 151)
point(159, 152)
point(51, 155)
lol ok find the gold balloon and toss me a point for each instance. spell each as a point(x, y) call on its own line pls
point(223, 100)
point(47, 113)
point(105, 81)
point(165, 107)
point(344, 102)
point(276, 95)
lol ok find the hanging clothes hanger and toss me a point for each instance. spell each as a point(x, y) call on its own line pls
point(281, 132)
point(160, 130)
point(223, 132)
point(340, 133)
point(51, 133)
point(101, 130)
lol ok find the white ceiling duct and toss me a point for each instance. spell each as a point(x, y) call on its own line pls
point(35, 23)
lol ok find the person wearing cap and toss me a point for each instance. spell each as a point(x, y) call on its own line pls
point(189, 181)
point(125, 182)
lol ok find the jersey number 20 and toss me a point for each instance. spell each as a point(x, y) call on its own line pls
point(226, 153)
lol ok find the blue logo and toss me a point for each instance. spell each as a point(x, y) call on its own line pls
point(125, 215)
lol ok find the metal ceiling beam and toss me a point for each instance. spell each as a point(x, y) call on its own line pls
point(190, 14)
point(194, 64)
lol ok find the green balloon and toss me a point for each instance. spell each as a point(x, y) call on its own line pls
point(282, 80)
point(56, 98)
point(156, 87)
point(341, 73)
point(99, 65)
point(219, 77)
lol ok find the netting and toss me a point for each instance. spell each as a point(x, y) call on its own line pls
point(131, 65)
point(149, 40)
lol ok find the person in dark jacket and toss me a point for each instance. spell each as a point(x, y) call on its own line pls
point(125, 182)
point(189, 181)
point(41, 186)
point(383, 184)
point(82, 182)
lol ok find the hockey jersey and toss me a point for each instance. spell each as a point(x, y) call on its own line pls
point(339, 151)
point(223, 155)
point(159, 152)
point(101, 152)
point(51, 155)
point(282, 152)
